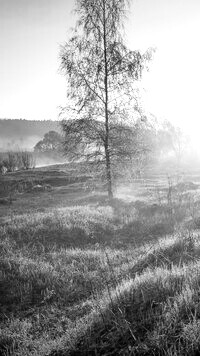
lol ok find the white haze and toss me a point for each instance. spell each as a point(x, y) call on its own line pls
point(23, 143)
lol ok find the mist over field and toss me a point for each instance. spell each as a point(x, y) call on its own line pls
point(99, 204)
point(19, 134)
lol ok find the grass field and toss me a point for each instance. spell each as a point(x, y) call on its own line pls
point(82, 276)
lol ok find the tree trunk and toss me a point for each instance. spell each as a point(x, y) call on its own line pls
point(108, 173)
point(107, 151)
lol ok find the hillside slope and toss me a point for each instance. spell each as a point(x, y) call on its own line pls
point(23, 134)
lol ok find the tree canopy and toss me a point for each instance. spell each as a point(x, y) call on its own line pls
point(51, 142)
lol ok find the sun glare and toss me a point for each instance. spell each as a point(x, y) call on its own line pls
point(172, 84)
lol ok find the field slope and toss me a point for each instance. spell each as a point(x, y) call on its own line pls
point(81, 276)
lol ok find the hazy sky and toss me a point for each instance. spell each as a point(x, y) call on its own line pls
point(32, 30)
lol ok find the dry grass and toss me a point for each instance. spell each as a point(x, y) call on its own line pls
point(94, 279)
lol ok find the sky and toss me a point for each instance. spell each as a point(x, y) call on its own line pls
point(31, 32)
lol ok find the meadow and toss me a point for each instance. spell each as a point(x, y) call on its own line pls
point(80, 275)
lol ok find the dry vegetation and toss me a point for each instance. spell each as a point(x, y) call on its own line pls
point(81, 277)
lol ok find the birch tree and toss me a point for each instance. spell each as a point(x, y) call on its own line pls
point(101, 99)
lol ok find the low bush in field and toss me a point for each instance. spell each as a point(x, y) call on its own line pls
point(13, 161)
point(5, 201)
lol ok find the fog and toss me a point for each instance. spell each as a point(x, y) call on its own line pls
point(25, 143)
point(179, 155)
point(47, 161)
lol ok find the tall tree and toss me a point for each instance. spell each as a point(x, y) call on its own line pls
point(100, 71)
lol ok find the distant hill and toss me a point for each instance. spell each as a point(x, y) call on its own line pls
point(23, 134)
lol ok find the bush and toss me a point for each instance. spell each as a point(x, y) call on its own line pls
point(5, 201)
point(13, 161)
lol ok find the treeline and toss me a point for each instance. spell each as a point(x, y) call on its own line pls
point(19, 127)
point(12, 161)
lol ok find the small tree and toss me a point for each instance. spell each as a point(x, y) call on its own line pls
point(28, 160)
point(11, 161)
point(50, 143)
point(101, 72)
